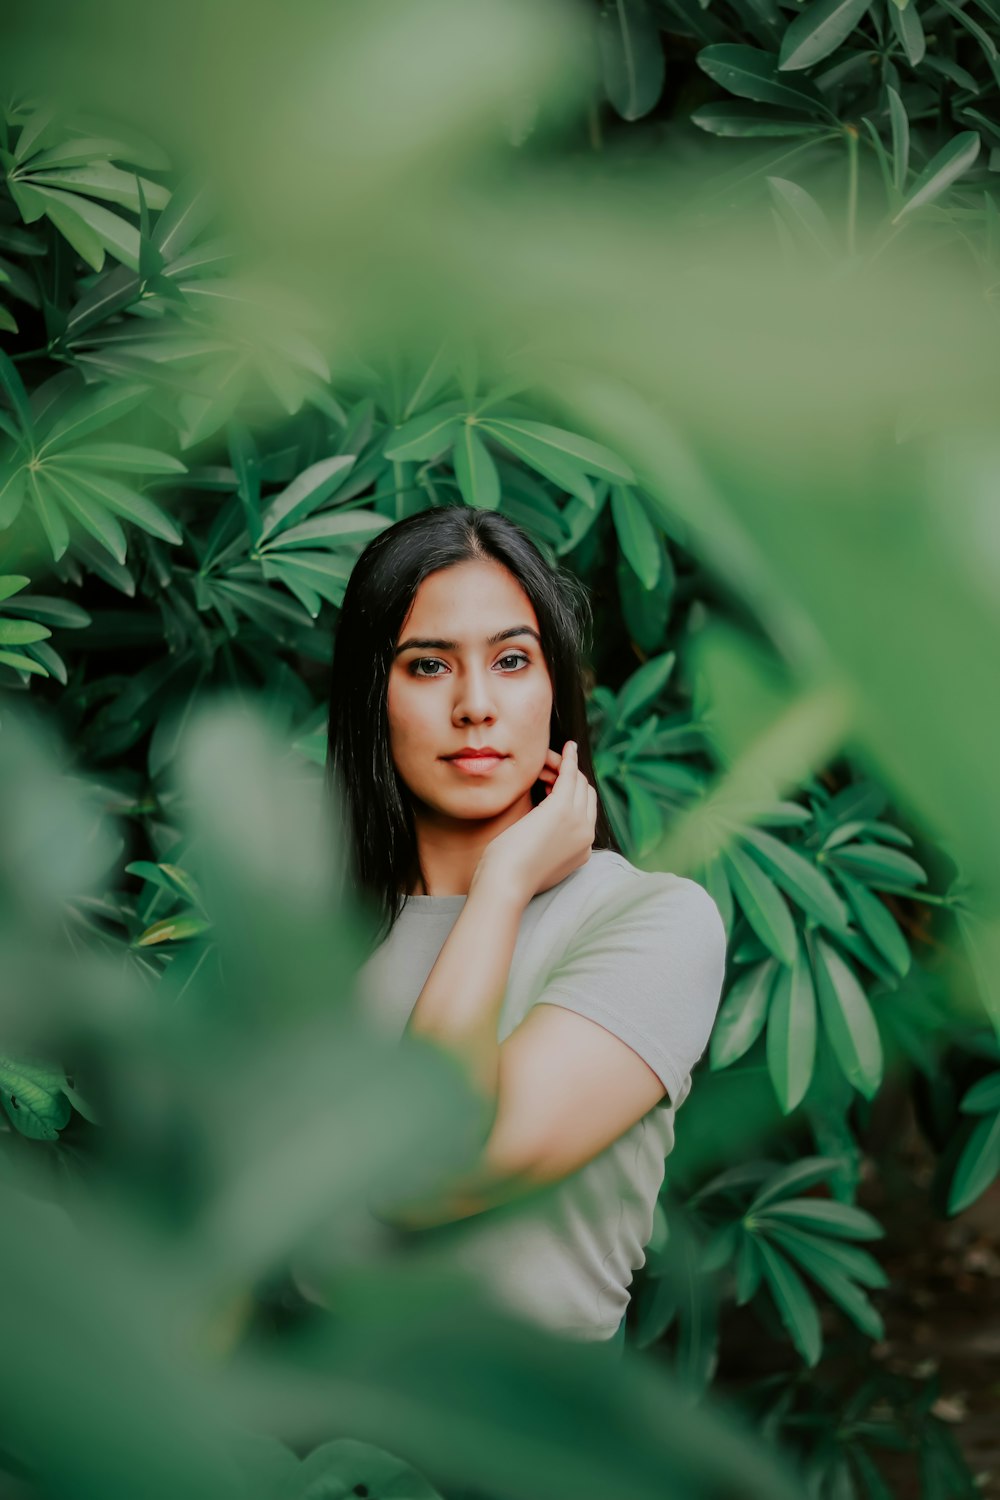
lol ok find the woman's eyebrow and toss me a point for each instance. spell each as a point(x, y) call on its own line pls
point(427, 644)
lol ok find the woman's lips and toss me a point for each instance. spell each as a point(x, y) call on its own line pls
point(475, 765)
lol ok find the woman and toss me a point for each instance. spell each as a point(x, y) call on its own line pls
point(577, 990)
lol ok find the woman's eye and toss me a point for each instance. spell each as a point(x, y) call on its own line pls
point(432, 661)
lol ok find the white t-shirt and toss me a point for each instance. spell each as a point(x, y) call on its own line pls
point(643, 955)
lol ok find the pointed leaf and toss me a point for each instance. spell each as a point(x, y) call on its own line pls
point(822, 1266)
point(819, 30)
point(22, 632)
point(847, 1018)
point(10, 379)
point(98, 409)
point(877, 923)
point(427, 435)
point(631, 57)
point(11, 584)
point(791, 1033)
point(807, 885)
point(742, 1014)
point(877, 865)
point(336, 530)
point(840, 1219)
point(591, 457)
point(52, 519)
point(475, 470)
point(900, 138)
point(644, 686)
point(636, 535)
point(801, 1174)
point(796, 1308)
point(762, 903)
point(124, 456)
point(307, 491)
point(983, 1097)
point(125, 502)
point(752, 73)
point(941, 171)
point(727, 117)
point(978, 1166)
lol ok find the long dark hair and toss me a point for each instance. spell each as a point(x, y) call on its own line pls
point(373, 802)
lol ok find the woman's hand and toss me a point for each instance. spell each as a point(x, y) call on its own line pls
point(553, 839)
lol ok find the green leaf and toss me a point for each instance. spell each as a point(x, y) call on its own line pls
point(763, 905)
point(742, 1014)
point(71, 225)
point(643, 687)
point(13, 478)
point(101, 180)
point(800, 1174)
point(636, 535)
point(168, 877)
point(941, 171)
point(909, 31)
point(840, 1219)
point(173, 930)
point(796, 1308)
point(33, 1099)
point(983, 1097)
point(752, 73)
point(22, 632)
point(645, 818)
point(749, 1269)
point(22, 663)
point(847, 1018)
point(803, 215)
point(791, 1032)
point(823, 1266)
point(978, 1166)
point(307, 492)
point(11, 584)
point(337, 530)
point(128, 503)
point(52, 519)
point(475, 470)
point(98, 409)
point(819, 30)
point(848, 1259)
point(876, 865)
point(53, 663)
point(428, 435)
point(125, 456)
point(53, 611)
point(92, 516)
point(581, 452)
point(900, 138)
point(10, 380)
point(877, 923)
point(727, 117)
point(631, 57)
point(808, 886)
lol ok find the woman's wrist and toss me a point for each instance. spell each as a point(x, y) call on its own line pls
point(495, 879)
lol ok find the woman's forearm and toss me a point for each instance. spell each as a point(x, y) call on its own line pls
point(459, 1005)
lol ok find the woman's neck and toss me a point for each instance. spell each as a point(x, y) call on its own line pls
point(450, 849)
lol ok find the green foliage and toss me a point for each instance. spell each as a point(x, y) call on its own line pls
point(180, 461)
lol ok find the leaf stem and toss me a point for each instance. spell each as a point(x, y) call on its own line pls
point(852, 188)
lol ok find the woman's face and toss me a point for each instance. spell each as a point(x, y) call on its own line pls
point(452, 688)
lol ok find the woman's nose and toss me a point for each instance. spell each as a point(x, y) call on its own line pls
point(474, 696)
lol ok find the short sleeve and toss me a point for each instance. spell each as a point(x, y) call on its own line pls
point(648, 964)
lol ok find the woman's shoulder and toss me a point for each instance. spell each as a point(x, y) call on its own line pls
point(610, 884)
